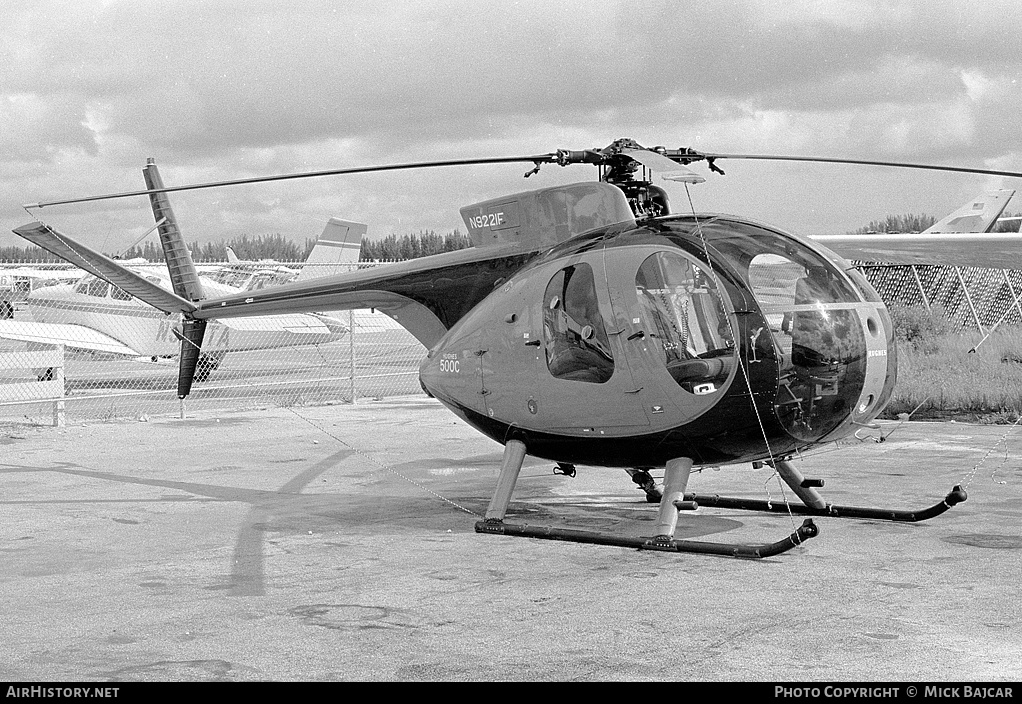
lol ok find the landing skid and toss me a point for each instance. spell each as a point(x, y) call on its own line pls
point(675, 480)
point(807, 530)
point(814, 505)
point(955, 496)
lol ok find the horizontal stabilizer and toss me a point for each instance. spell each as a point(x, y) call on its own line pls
point(104, 267)
point(73, 336)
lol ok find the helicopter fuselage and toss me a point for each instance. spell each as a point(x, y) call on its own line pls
point(709, 337)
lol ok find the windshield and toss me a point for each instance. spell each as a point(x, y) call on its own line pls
point(811, 309)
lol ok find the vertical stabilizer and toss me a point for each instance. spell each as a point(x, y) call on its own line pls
point(191, 334)
point(183, 275)
point(336, 250)
point(978, 215)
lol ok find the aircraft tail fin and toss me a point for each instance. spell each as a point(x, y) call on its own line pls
point(978, 215)
point(232, 258)
point(183, 275)
point(336, 250)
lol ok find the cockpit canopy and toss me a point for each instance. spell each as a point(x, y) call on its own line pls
point(816, 320)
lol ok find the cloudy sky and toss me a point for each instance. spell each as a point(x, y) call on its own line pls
point(231, 89)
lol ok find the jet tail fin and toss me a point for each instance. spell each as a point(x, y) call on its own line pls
point(336, 250)
point(978, 215)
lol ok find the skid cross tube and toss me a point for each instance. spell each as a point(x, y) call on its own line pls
point(955, 496)
point(807, 530)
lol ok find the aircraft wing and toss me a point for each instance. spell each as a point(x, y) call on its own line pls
point(962, 238)
point(76, 336)
point(296, 324)
point(105, 268)
point(1002, 250)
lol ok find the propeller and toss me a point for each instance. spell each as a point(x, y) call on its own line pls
point(620, 159)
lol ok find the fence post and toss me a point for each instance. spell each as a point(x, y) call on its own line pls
point(58, 378)
point(351, 354)
point(922, 291)
point(968, 299)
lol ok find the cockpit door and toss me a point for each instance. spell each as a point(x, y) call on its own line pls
point(585, 384)
point(676, 330)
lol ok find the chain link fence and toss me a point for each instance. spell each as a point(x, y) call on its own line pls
point(58, 330)
point(969, 297)
point(73, 349)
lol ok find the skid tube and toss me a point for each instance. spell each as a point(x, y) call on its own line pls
point(956, 496)
point(807, 530)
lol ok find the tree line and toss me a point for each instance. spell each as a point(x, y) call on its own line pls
point(918, 223)
point(279, 248)
point(424, 244)
point(274, 247)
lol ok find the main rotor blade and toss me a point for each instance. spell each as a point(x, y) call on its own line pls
point(537, 159)
point(828, 160)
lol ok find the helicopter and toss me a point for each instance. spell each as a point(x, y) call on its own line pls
point(589, 325)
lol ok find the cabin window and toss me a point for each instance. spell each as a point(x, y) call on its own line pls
point(230, 277)
point(93, 287)
point(577, 347)
point(259, 281)
point(684, 314)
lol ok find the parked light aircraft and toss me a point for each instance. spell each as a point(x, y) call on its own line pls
point(974, 244)
point(17, 283)
point(91, 314)
point(589, 326)
point(336, 251)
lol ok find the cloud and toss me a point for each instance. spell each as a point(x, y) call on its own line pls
point(233, 89)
